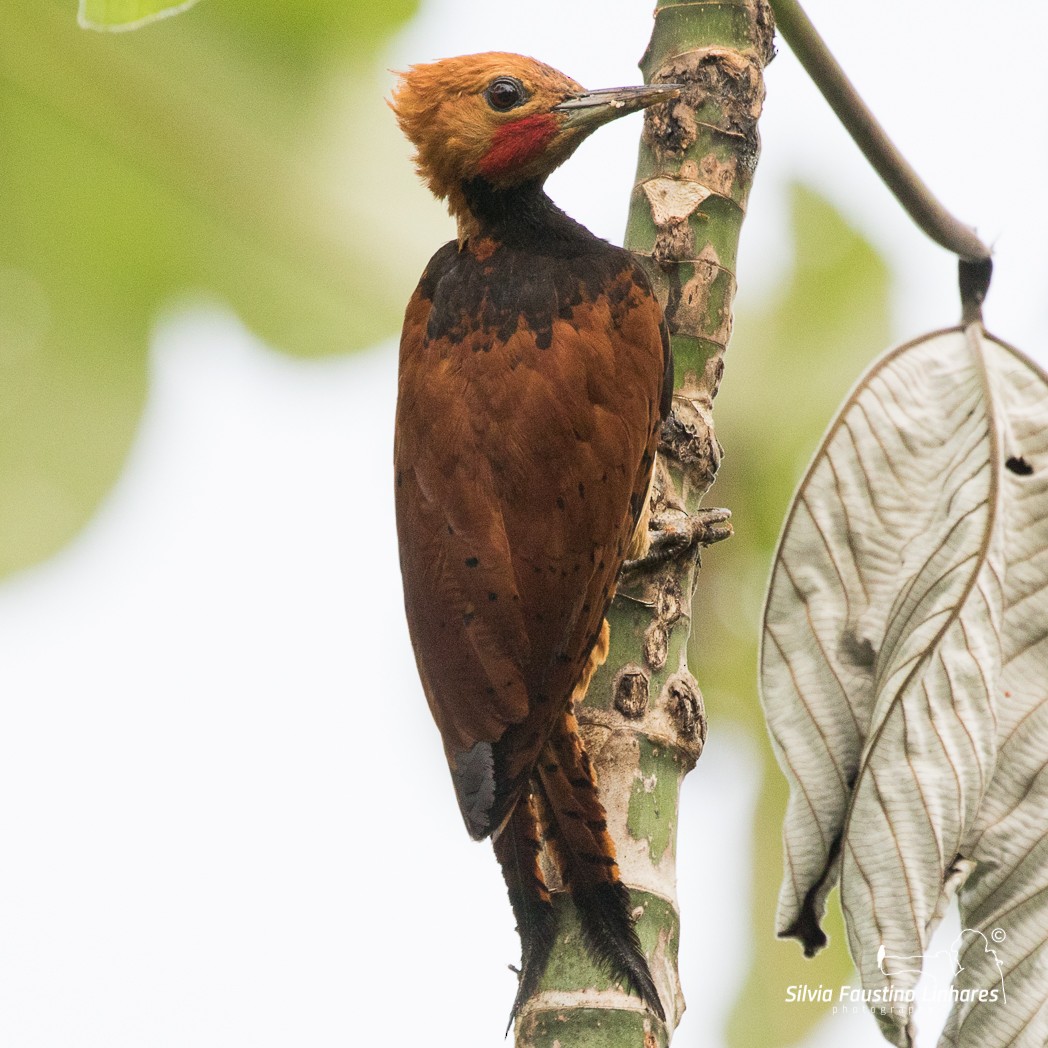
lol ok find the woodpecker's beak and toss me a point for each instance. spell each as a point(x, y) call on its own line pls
point(593, 108)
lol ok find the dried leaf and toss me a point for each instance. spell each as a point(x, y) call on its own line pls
point(900, 590)
point(1006, 898)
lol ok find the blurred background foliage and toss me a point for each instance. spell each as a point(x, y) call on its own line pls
point(791, 360)
point(242, 154)
point(127, 14)
point(209, 155)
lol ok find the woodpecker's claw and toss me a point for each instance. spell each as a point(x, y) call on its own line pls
point(675, 534)
point(528, 975)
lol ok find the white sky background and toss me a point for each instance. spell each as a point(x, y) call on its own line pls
point(225, 812)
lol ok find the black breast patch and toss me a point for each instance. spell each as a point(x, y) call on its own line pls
point(494, 292)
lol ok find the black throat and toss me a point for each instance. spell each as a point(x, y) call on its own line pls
point(522, 216)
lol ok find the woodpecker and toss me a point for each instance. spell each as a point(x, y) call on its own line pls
point(535, 374)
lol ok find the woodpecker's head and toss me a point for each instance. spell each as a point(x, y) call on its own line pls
point(502, 117)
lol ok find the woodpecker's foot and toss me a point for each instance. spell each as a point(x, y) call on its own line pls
point(675, 534)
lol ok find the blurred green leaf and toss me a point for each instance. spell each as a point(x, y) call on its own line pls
point(127, 14)
point(241, 152)
point(790, 363)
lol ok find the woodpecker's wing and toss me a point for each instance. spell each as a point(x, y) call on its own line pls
point(530, 401)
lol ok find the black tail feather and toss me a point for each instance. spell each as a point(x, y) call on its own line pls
point(607, 929)
point(534, 950)
point(584, 851)
point(517, 849)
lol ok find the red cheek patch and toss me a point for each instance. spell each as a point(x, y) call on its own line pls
point(517, 142)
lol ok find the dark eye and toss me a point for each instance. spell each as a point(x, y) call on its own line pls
point(505, 93)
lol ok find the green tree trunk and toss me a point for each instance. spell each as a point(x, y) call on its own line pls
point(643, 720)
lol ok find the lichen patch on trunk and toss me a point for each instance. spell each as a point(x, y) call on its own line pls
point(723, 90)
point(673, 199)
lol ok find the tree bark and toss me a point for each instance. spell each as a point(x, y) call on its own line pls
point(643, 720)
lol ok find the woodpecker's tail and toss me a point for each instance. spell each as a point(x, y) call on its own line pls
point(517, 849)
point(583, 848)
